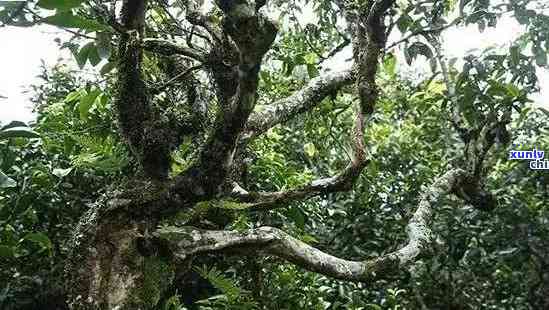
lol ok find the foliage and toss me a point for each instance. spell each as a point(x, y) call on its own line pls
point(51, 172)
point(52, 169)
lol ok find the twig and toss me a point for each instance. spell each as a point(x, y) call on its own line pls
point(175, 78)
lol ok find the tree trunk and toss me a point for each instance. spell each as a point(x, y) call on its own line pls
point(114, 264)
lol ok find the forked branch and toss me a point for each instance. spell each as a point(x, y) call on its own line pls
point(185, 241)
point(253, 35)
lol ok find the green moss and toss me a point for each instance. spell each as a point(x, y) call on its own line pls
point(131, 256)
point(172, 233)
point(157, 277)
point(223, 204)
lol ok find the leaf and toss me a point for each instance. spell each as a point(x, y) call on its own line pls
point(309, 149)
point(407, 55)
point(6, 182)
point(310, 58)
point(219, 281)
point(60, 173)
point(103, 43)
point(289, 68)
point(512, 90)
point(389, 64)
point(73, 96)
point(541, 58)
point(297, 216)
point(108, 67)
point(418, 48)
point(86, 103)
point(14, 124)
point(18, 132)
point(309, 239)
point(83, 55)
point(67, 20)
point(7, 251)
point(515, 55)
point(404, 22)
point(312, 70)
point(40, 239)
point(61, 5)
point(93, 55)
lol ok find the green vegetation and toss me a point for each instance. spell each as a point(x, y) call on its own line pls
point(490, 245)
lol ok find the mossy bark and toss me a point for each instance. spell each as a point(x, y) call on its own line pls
point(113, 263)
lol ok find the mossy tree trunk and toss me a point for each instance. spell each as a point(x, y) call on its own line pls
point(124, 258)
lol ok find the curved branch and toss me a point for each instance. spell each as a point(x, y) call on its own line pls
point(368, 41)
point(185, 241)
point(303, 100)
point(341, 182)
point(270, 200)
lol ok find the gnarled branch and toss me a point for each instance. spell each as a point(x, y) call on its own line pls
point(185, 241)
point(167, 48)
point(253, 35)
point(303, 100)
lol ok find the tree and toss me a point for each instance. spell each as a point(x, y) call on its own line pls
point(198, 82)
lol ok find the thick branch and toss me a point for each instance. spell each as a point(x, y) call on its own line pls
point(167, 48)
point(196, 18)
point(187, 241)
point(253, 35)
point(134, 109)
point(303, 100)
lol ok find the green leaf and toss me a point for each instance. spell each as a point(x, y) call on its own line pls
point(103, 43)
point(40, 239)
point(6, 182)
point(389, 64)
point(86, 103)
point(7, 251)
point(418, 48)
point(407, 55)
point(62, 5)
point(515, 55)
point(108, 67)
point(93, 55)
point(512, 90)
point(83, 55)
point(309, 149)
point(289, 68)
point(297, 216)
point(14, 124)
point(310, 58)
point(73, 96)
point(312, 70)
point(404, 22)
point(18, 132)
point(541, 57)
point(67, 20)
